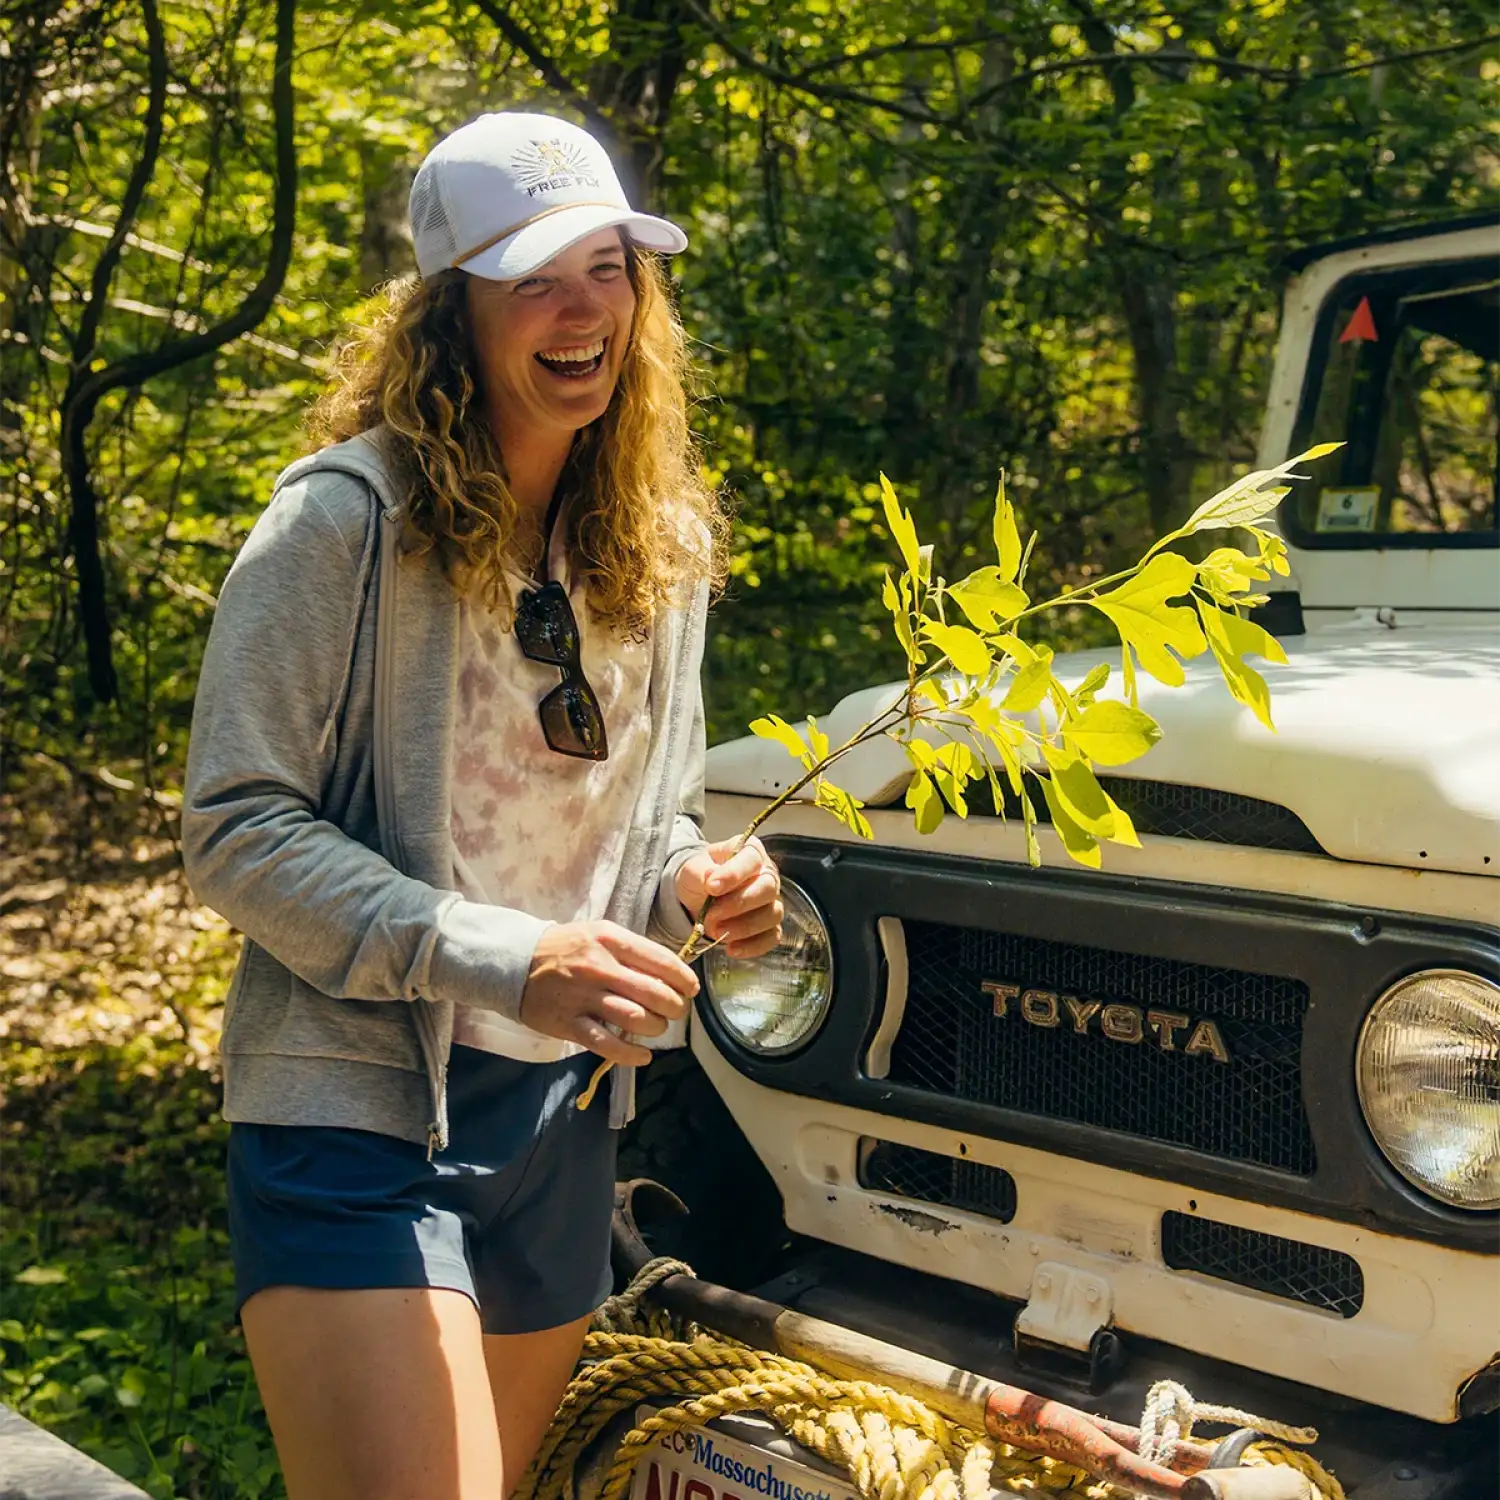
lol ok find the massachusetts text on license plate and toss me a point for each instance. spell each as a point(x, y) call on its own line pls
point(696, 1464)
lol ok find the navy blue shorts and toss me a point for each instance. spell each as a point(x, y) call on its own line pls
point(515, 1213)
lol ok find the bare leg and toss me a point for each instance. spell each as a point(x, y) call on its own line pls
point(528, 1374)
point(375, 1394)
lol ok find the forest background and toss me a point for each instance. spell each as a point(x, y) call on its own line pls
point(1044, 234)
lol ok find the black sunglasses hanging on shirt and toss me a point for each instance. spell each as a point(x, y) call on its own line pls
point(547, 631)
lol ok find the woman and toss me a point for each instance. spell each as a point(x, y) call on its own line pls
point(444, 772)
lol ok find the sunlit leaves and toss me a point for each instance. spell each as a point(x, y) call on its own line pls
point(1030, 685)
point(845, 808)
point(1112, 733)
point(987, 598)
point(1149, 624)
point(901, 527)
point(1007, 538)
point(775, 728)
point(1231, 639)
point(1251, 497)
point(923, 799)
point(966, 650)
point(993, 702)
point(1078, 841)
point(897, 600)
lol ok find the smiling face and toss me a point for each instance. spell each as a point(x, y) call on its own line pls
point(550, 346)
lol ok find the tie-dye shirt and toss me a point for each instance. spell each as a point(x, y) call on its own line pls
point(531, 828)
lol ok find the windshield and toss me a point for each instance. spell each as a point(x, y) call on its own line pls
point(1405, 369)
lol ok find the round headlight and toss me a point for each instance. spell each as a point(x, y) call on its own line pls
point(775, 1003)
point(1429, 1084)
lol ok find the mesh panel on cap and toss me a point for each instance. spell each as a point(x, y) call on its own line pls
point(437, 245)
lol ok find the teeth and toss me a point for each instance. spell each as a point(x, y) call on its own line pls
point(574, 356)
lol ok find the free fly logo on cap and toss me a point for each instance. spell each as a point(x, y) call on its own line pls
point(551, 166)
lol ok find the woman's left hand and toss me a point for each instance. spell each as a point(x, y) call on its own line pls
point(746, 891)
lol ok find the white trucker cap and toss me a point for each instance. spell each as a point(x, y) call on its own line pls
point(505, 193)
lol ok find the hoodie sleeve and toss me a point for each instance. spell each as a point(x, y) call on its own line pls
point(255, 845)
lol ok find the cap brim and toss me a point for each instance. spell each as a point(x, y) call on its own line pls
point(529, 249)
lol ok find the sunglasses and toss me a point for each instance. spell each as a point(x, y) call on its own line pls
point(547, 631)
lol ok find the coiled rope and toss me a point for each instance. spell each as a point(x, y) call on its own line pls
point(892, 1446)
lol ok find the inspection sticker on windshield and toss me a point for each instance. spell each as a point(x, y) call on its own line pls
point(1348, 510)
point(696, 1464)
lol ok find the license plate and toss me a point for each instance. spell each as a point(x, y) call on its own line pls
point(698, 1464)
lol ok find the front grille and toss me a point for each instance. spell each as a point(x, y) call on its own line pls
point(908, 1172)
point(1265, 1262)
point(1185, 812)
point(1249, 1109)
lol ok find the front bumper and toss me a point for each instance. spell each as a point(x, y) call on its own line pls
point(1376, 1454)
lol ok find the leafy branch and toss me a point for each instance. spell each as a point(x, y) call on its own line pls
point(981, 704)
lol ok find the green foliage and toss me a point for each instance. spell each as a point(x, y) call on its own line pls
point(118, 1329)
point(990, 697)
point(920, 243)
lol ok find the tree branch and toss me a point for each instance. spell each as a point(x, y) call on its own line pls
point(505, 23)
point(135, 370)
point(799, 82)
point(78, 405)
point(135, 189)
point(1177, 57)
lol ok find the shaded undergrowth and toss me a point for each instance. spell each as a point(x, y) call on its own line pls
point(116, 1294)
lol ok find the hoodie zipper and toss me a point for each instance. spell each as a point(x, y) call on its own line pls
point(669, 751)
point(385, 811)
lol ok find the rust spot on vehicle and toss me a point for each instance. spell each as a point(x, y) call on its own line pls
point(914, 1218)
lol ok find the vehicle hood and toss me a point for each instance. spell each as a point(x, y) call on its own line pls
point(1387, 742)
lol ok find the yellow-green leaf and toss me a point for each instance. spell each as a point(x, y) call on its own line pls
point(960, 645)
point(1251, 496)
point(1028, 819)
point(1074, 784)
point(922, 797)
point(1079, 843)
point(1013, 645)
point(1232, 639)
point(816, 738)
point(955, 767)
point(1085, 692)
point(922, 755)
point(986, 598)
point(1007, 538)
point(1227, 570)
point(901, 527)
point(1139, 610)
point(894, 600)
point(1127, 673)
point(1003, 733)
point(1029, 685)
point(774, 728)
point(845, 808)
point(1112, 733)
point(1124, 829)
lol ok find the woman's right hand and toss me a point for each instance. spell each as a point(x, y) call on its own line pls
point(588, 976)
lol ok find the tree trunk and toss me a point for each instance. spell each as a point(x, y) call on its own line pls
point(1149, 301)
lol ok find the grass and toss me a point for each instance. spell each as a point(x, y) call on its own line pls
point(116, 1293)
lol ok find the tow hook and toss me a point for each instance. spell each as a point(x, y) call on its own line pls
point(1106, 1449)
point(1064, 1328)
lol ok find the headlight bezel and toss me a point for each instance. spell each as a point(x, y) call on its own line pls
point(732, 1032)
point(1432, 1193)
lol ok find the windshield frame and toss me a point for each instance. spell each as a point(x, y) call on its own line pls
point(1338, 296)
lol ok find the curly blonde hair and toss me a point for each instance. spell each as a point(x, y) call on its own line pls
point(644, 526)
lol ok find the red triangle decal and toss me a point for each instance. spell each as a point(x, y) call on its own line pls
point(1361, 325)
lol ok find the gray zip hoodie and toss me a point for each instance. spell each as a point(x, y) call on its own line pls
point(316, 812)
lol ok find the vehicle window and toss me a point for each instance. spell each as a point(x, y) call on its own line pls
point(1406, 370)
